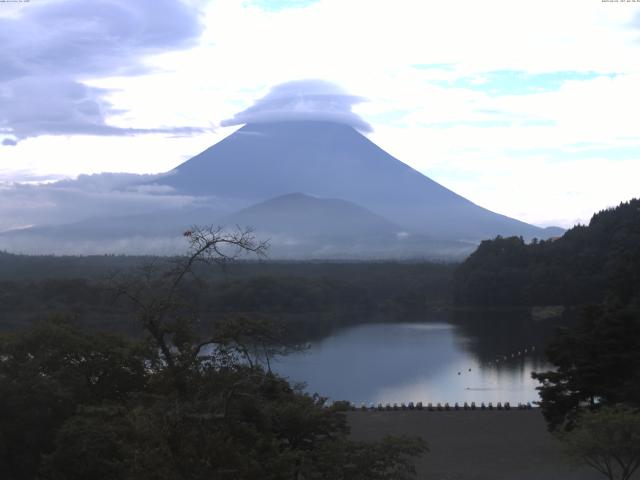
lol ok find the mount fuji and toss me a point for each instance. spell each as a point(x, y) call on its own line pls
point(332, 160)
point(301, 173)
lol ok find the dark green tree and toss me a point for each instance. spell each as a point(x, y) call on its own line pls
point(596, 363)
point(587, 265)
point(47, 373)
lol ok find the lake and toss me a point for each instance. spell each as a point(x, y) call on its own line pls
point(487, 358)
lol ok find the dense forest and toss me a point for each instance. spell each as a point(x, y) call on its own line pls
point(32, 287)
point(587, 265)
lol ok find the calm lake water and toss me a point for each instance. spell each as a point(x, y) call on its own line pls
point(469, 359)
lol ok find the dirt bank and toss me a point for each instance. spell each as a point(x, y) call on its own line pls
point(476, 445)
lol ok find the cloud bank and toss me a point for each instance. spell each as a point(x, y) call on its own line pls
point(303, 100)
point(50, 49)
point(67, 201)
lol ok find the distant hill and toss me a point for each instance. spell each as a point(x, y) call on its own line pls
point(588, 264)
point(305, 216)
point(157, 233)
point(163, 222)
point(302, 226)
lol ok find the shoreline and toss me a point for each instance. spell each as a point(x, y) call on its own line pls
point(475, 444)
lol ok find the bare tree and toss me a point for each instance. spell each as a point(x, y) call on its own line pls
point(255, 339)
point(155, 290)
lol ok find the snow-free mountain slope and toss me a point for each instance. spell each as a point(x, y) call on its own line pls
point(330, 160)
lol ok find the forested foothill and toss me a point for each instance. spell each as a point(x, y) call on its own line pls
point(592, 396)
point(587, 265)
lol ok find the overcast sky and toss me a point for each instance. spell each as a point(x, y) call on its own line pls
point(527, 108)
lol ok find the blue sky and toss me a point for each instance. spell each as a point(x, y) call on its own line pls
point(524, 112)
point(518, 82)
point(278, 5)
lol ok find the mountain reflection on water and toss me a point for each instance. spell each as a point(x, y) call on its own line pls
point(479, 357)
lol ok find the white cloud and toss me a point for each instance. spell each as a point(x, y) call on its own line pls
point(51, 47)
point(303, 100)
point(68, 201)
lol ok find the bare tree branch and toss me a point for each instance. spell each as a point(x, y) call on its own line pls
point(154, 290)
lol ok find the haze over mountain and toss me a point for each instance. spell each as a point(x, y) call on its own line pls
point(302, 174)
